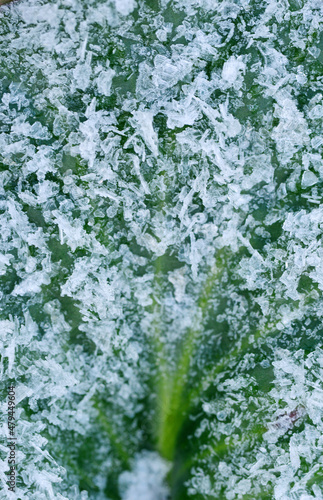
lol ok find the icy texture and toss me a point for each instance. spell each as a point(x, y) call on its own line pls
point(269, 440)
point(160, 256)
point(146, 480)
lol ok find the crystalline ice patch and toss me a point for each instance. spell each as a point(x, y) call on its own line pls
point(146, 479)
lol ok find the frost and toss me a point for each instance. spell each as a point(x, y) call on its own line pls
point(160, 248)
point(309, 179)
point(292, 399)
point(177, 278)
point(146, 479)
point(71, 233)
point(232, 72)
point(32, 284)
point(125, 7)
point(291, 132)
point(104, 81)
point(82, 74)
point(144, 121)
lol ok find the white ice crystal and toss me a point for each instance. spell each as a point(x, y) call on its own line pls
point(232, 72)
point(144, 122)
point(309, 179)
point(146, 480)
point(104, 81)
point(125, 7)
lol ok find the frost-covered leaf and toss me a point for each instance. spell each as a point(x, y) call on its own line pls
point(160, 249)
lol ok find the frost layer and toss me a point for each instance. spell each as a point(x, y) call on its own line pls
point(161, 259)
